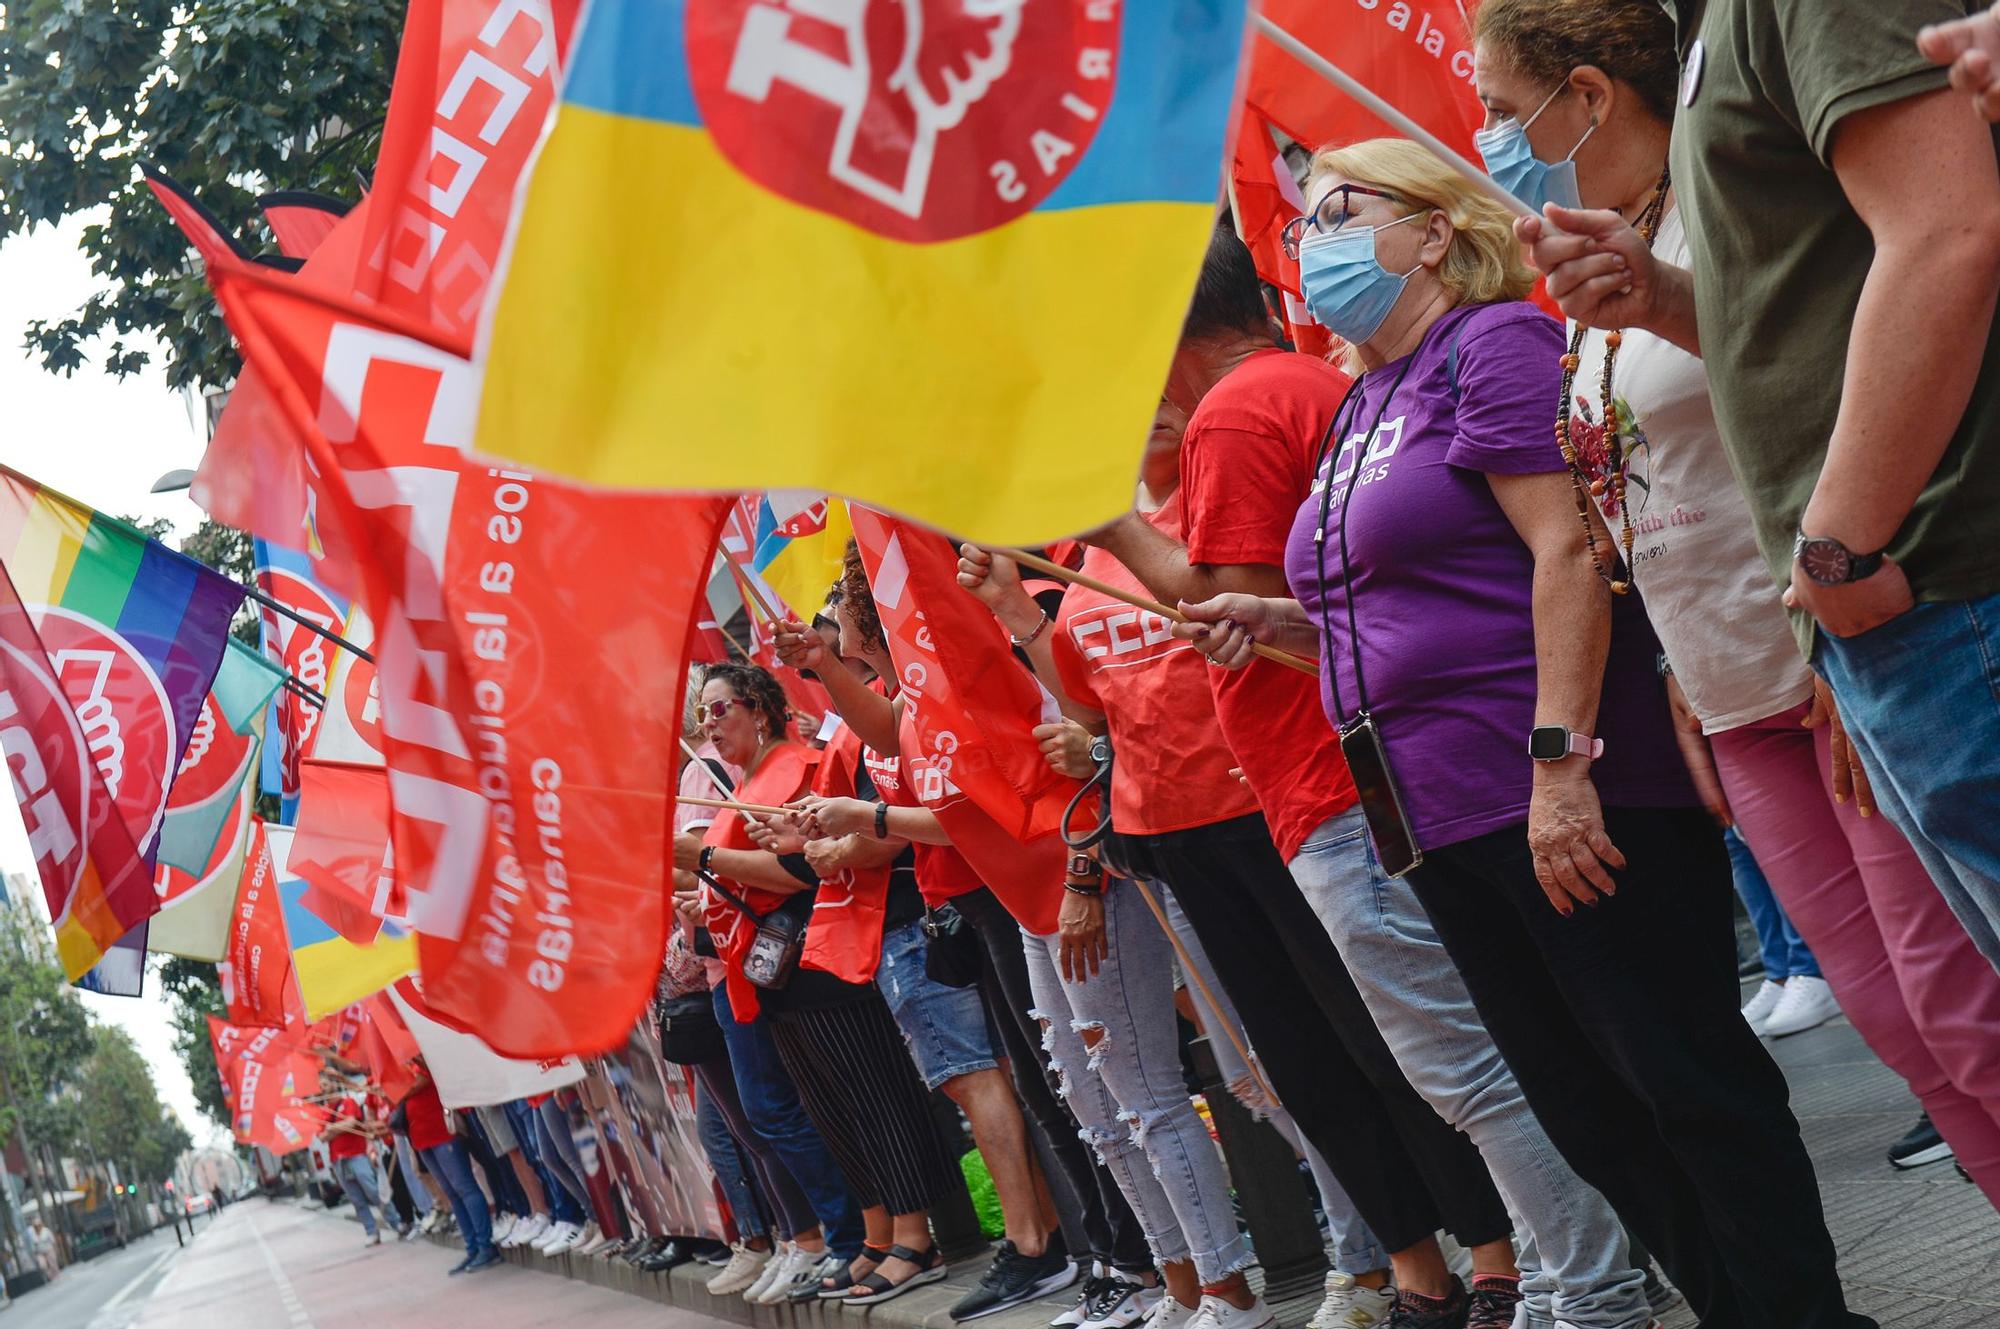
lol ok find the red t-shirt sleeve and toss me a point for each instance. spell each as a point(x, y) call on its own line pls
point(1071, 667)
point(1240, 489)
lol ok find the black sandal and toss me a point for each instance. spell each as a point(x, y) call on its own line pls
point(835, 1289)
point(875, 1287)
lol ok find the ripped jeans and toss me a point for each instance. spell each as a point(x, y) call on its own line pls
point(1127, 1092)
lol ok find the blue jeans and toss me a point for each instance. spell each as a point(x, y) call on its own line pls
point(1785, 952)
point(563, 1207)
point(357, 1179)
point(945, 1027)
point(406, 1158)
point(448, 1163)
point(1920, 697)
point(559, 1156)
point(1127, 1091)
point(1356, 1249)
point(772, 1104)
point(1576, 1266)
point(732, 1170)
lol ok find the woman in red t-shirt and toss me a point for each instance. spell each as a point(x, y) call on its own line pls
point(831, 1034)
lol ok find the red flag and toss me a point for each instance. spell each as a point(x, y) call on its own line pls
point(300, 219)
point(95, 883)
point(1267, 199)
point(1421, 63)
point(264, 1072)
point(256, 968)
point(710, 645)
point(341, 848)
point(969, 711)
point(529, 667)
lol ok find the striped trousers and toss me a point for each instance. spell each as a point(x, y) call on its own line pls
point(857, 1082)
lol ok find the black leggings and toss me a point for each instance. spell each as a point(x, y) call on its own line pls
point(1621, 1024)
point(857, 1082)
point(1097, 1220)
point(1407, 1170)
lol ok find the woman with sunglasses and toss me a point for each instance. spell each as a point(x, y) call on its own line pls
point(831, 1034)
point(1904, 969)
point(1480, 667)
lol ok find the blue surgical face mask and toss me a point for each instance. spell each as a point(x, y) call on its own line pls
point(1345, 285)
point(1514, 166)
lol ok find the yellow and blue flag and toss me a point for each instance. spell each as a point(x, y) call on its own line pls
point(332, 971)
point(933, 254)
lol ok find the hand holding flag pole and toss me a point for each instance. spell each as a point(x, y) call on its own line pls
point(1168, 612)
point(1402, 123)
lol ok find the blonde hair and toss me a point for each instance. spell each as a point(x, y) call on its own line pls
point(1484, 261)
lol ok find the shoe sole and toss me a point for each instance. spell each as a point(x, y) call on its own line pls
point(1053, 1283)
point(1937, 1153)
point(923, 1279)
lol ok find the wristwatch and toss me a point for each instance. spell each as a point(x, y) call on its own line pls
point(1100, 750)
point(1553, 742)
point(1828, 562)
point(1083, 874)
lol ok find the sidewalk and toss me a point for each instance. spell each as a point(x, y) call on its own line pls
point(1919, 1250)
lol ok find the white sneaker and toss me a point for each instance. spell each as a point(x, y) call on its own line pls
point(800, 1265)
point(503, 1227)
point(413, 1231)
point(1168, 1313)
point(1807, 1004)
point(1215, 1313)
point(560, 1237)
point(524, 1233)
point(1760, 1007)
point(578, 1234)
point(1120, 1302)
point(1351, 1306)
point(590, 1241)
point(742, 1270)
point(773, 1267)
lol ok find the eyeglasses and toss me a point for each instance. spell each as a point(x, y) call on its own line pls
point(714, 710)
point(1333, 211)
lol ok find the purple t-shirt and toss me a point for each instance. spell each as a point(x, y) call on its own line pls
point(1443, 585)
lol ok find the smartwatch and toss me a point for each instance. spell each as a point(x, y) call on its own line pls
point(1828, 562)
point(1554, 742)
point(881, 821)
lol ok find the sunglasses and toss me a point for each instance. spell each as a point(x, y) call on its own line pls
point(1333, 211)
point(714, 710)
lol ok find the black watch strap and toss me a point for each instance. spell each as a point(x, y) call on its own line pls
point(881, 821)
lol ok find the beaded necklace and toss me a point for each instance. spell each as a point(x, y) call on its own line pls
point(1616, 459)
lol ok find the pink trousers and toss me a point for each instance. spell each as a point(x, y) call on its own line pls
point(1902, 966)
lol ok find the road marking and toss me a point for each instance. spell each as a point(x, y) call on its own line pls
point(106, 1317)
point(294, 1308)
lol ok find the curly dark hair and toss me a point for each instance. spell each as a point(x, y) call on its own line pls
point(756, 688)
point(859, 598)
point(1631, 40)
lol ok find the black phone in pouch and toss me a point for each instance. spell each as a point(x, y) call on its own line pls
point(1381, 806)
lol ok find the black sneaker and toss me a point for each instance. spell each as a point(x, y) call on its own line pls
point(1493, 1299)
point(1013, 1278)
point(1414, 1310)
point(1922, 1145)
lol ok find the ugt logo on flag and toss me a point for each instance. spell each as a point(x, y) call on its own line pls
point(918, 119)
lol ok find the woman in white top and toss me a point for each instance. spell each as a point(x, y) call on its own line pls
point(1594, 83)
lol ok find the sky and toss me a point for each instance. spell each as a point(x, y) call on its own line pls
point(103, 442)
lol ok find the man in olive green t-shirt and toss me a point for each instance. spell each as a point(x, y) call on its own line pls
point(1843, 209)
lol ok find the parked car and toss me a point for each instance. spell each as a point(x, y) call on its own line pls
point(199, 1204)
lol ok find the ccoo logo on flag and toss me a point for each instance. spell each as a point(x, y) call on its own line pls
point(920, 120)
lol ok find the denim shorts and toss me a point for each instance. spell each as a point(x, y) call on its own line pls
point(946, 1027)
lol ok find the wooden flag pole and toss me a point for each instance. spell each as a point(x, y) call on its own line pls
point(1403, 124)
point(761, 809)
point(1172, 615)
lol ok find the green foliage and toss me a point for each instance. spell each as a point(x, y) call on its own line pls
point(195, 989)
point(231, 97)
point(44, 1037)
point(119, 1115)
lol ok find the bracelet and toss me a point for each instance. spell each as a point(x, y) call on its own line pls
point(1023, 643)
point(1095, 892)
point(881, 821)
point(707, 853)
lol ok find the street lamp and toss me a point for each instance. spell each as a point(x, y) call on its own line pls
point(174, 481)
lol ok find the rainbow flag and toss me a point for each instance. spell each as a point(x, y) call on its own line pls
point(134, 634)
point(934, 257)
